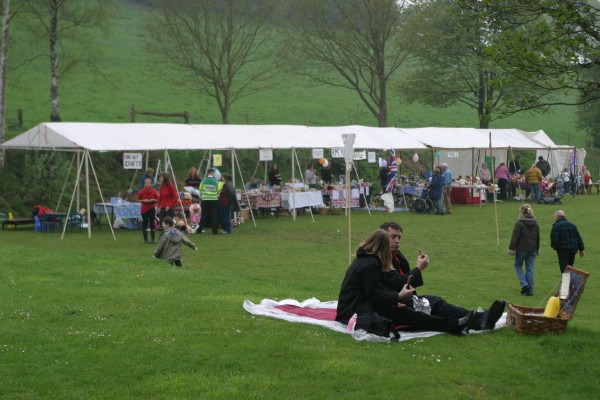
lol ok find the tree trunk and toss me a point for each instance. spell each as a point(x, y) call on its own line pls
point(3, 67)
point(53, 36)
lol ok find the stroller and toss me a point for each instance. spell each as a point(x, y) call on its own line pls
point(422, 204)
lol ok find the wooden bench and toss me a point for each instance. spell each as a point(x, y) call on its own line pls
point(15, 222)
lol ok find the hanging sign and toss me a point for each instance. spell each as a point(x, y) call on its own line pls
point(266, 154)
point(360, 155)
point(453, 154)
point(317, 153)
point(217, 160)
point(132, 160)
point(371, 156)
point(338, 152)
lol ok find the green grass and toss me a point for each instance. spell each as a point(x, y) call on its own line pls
point(100, 319)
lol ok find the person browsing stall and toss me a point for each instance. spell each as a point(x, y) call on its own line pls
point(210, 188)
point(193, 180)
point(227, 203)
point(274, 175)
point(168, 197)
point(148, 196)
point(447, 189)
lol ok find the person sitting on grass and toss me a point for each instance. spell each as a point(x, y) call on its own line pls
point(401, 274)
point(169, 243)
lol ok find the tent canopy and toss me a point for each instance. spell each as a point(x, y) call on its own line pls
point(72, 136)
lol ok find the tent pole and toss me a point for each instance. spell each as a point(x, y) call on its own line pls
point(101, 196)
point(244, 191)
point(75, 185)
point(293, 210)
point(169, 165)
point(359, 193)
point(87, 191)
point(494, 198)
point(232, 151)
point(65, 183)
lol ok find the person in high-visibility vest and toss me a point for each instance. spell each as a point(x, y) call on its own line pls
point(210, 188)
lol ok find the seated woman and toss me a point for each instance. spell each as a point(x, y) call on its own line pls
point(363, 291)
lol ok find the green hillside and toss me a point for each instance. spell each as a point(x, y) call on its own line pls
point(128, 78)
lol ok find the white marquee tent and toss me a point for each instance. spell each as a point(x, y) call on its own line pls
point(457, 145)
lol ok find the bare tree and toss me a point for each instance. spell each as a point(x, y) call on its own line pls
point(352, 44)
point(220, 48)
point(71, 28)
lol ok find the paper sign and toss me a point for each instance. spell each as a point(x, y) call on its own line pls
point(266, 154)
point(317, 153)
point(452, 154)
point(132, 160)
point(217, 160)
point(371, 157)
point(338, 152)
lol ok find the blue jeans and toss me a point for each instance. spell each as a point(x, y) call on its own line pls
point(438, 206)
point(225, 219)
point(525, 279)
point(536, 193)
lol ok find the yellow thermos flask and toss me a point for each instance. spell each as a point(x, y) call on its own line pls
point(552, 307)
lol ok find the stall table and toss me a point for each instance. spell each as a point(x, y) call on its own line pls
point(462, 195)
point(291, 200)
point(128, 211)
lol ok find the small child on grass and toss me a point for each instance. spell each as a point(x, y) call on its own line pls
point(169, 243)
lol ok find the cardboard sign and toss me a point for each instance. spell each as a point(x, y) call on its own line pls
point(132, 160)
point(317, 153)
point(266, 154)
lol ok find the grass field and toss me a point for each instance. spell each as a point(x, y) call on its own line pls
point(100, 319)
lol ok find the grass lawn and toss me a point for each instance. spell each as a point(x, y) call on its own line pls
point(100, 319)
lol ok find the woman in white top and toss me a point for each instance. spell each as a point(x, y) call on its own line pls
point(310, 175)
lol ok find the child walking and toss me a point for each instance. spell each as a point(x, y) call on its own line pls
point(169, 243)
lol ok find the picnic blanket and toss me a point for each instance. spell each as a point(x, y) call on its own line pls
point(315, 312)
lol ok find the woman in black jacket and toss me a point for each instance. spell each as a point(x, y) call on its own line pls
point(363, 291)
point(525, 246)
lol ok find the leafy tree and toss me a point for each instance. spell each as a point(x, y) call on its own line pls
point(547, 43)
point(452, 64)
point(70, 28)
point(347, 43)
point(588, 114)
point(220, 48)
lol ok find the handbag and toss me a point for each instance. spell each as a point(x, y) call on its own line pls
point(377, 325)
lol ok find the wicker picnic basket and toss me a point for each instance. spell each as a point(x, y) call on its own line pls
point(531, 319)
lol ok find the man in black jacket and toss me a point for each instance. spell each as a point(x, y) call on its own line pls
point(544, 166)
point(439, 307)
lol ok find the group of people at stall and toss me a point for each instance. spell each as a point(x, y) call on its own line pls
point(212, 205)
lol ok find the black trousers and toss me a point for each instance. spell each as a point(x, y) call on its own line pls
point(210, 209)
point(441, 308)
point(418, 320)
point(148, 220)
point(565, 258)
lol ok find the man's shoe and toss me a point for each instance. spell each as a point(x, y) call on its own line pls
point(464, 324)
point(493, 314)
point(525, 289)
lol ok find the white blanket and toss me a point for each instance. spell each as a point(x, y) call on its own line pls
point(268, 308)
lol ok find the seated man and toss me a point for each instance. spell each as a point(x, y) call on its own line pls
point(402, 275)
